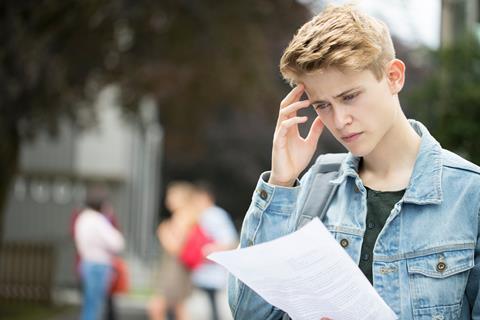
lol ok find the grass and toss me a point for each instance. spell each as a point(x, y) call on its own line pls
point(13, 310)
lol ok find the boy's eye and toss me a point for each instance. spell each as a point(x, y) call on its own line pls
point(321, 106)
point(350, 96)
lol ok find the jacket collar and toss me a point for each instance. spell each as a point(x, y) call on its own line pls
point(425, 186)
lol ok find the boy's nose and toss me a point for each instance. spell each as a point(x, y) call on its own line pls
point(341, 117)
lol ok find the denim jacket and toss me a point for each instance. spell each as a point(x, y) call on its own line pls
point(426, 259)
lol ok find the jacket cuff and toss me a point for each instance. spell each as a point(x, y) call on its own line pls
point(277, 198)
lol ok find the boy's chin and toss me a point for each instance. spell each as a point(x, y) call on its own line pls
point(358, 152)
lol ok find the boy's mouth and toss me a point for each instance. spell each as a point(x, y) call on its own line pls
point(351, 137)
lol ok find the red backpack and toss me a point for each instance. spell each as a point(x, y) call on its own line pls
point(191, 254)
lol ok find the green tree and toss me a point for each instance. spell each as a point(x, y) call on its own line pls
point(47, 57)
point(449, 101)
point(196, 58)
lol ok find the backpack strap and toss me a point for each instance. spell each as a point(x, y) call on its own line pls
point(320, 191)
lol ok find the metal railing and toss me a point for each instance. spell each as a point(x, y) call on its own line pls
point(26, 271)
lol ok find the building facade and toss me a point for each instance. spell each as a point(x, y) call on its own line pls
point(55, 173)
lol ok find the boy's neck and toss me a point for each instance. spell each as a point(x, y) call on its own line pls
point(390, 165)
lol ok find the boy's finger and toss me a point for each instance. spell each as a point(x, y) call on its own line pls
point(287, 124)
point(292, 96)
point(292, 109)
point(315, 131)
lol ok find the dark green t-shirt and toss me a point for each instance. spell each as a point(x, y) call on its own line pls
point(379, 206)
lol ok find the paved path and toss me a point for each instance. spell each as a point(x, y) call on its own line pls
point(132, 308)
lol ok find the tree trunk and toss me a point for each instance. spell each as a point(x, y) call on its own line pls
point(9, 156)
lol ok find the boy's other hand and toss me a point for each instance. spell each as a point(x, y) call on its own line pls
point(291, 153)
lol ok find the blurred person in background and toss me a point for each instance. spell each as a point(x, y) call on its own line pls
point(217, 224)
point(109, 212)
point(173, 284)
point(97, 241)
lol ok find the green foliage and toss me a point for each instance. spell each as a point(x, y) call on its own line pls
point(194, 57)
point(199, 58)
point(202, 61)
point(449, 102)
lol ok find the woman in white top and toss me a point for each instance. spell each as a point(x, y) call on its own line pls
point(97, 241)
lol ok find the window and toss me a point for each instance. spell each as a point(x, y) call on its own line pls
point(40, 191)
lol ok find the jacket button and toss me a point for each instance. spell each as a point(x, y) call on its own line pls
point(344, 243)
point(356, 189)
point(441, 266)
point(250, 243)
point(263, 194)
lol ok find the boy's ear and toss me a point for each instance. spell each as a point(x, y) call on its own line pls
point(395, 73)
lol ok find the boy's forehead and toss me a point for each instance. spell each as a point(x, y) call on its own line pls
point(326, 83)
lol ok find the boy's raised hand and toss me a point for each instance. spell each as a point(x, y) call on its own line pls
point(291, 153)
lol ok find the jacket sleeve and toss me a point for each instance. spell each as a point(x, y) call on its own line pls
point(272, 214)
point(473, 285)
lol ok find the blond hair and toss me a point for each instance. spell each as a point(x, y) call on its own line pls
point(339, 37)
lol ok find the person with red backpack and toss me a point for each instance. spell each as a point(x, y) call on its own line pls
point(173, 284)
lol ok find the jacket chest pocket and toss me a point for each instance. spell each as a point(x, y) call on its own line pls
point(437, 283)
point(350, 240)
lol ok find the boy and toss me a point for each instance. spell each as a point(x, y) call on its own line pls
point(403, 208)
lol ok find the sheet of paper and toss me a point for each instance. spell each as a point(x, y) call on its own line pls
point(308, 275)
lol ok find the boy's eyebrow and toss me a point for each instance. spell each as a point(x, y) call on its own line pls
point(339, 95)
